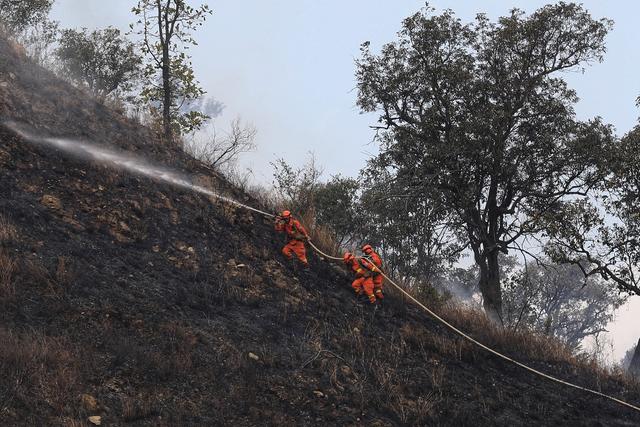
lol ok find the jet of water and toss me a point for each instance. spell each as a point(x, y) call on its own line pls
point(119, 159)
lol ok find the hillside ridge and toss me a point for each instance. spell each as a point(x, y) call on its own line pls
point(145, 304)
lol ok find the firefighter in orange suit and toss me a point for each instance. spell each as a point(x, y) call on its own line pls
point(378, 279)
point(297, 236)
point(364, 275)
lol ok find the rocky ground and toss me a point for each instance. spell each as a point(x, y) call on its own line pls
point(142, 304)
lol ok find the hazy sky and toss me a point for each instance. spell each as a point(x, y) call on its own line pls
point(287, 66)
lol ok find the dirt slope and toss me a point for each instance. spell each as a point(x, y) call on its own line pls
point(148, 305)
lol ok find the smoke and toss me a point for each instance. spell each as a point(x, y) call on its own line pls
point(460, 283)
point(121, 160)
point(205, 105)
point(209, 106)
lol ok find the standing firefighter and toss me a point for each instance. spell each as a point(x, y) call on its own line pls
point(372, 256)
point(297, 236)
point(364, 275)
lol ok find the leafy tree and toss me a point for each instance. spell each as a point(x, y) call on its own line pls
point(609, 242)
point(336, 206)
point(27, 22)
point(557, 301)
point(631, 360)
point(18, 15)
point(101, 60)
point(477, 123)
point(39, 40)
point(626, 360)
point(297, 187)
point(166, 29)
point(410, 233)
point(333, 204)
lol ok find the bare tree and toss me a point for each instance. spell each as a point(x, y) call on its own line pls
point(223, 149)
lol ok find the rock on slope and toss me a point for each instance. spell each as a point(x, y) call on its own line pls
point(143, 304)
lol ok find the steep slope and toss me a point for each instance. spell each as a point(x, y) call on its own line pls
point(149, 305)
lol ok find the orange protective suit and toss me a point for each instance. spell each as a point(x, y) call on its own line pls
point(364, 278)
point(297, 235)
point(378, 279)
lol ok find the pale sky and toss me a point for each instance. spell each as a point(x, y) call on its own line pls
point(287, 66)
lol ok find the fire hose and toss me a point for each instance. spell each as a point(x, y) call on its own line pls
point(469, 338)
point(125, 161)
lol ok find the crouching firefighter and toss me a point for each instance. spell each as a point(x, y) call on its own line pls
point(363, 269)
point(378, 279)
point(296, 234)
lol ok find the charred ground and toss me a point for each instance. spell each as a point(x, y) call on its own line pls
point(150, 305)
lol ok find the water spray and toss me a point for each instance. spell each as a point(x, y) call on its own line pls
point(120, 159)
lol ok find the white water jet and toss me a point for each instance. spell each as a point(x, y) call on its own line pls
point(120, 160)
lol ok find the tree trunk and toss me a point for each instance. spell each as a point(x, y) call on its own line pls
point(634, 366)
point(166, 88)
point(490, 286)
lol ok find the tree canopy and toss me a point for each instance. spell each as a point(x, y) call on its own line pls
point(17, 15)
point(101, 60)
point(167, 27)
point(631, 360)
point(477, 123)
point(556, 301)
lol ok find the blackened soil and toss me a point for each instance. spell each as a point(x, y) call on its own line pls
point(149, 305)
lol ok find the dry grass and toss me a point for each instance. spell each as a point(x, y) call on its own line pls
point(533, 345)
point(8, 232)
point(474, 322)
point(177, 354)
point(64, 273)
point(522, 345)
point(321, 236)
point(323, 239)
point(74, 423)
point(137, 408)
point(7, 270)
point(383, 366)
point(37, 368)
point(56, 282)
point(36, 272)
point(525, 344)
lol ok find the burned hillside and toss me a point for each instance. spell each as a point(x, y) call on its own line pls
point(145, 304)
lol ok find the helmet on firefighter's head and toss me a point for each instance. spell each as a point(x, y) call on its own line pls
point(286, 214)
point(348, 256)
point(367, 248)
